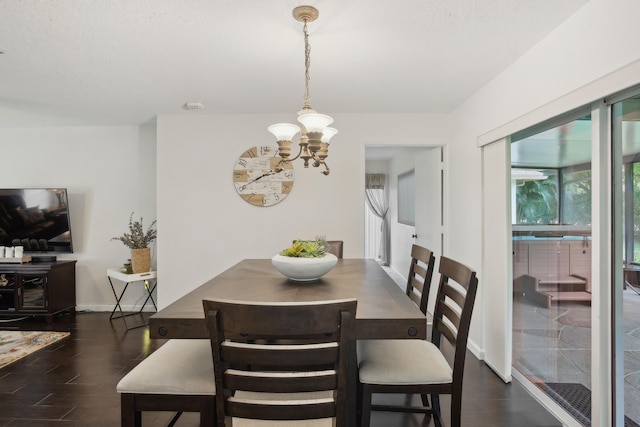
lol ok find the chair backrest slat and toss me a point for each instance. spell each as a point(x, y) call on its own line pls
point(277, 320)
point(267, 355)
point(448, 323)
point(415, 293)
point(419, 270)
point(420, 274)
point(457, 295)
point(286, 410)
point(285, 383)
point(452, 323)
point(279, 349)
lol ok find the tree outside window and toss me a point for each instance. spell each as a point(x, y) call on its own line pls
point(537, 200)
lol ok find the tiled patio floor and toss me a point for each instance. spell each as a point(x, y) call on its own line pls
point(554, 345)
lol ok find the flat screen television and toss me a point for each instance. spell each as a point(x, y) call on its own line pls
point(35, 218)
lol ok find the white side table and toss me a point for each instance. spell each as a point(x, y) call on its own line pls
point(149, 280)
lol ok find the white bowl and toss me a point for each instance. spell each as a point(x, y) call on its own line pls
point(300, 269)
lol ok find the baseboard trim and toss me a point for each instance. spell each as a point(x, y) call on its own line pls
point(108, 308)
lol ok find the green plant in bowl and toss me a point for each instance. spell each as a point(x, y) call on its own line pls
point(305, 260)
point(307, 248)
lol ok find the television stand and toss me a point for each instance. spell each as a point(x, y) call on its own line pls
point(44, 258)
point(37, 289)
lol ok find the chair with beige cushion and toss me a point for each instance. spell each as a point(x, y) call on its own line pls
point(420, 366)
point(176, 377)
point(420, 274)
point(418, 286)
point(259, 379)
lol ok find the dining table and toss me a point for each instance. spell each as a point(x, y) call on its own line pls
point(383, 311)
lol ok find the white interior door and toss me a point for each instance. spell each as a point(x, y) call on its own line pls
point(497, 261)
point(429, 172)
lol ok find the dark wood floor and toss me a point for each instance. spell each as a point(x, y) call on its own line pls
point(73, 383)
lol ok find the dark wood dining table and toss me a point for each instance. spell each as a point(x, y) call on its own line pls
point(383, 312)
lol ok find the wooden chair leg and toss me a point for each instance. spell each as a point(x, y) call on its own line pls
point(220, 418)
point(435, 405)
point(175, 419)
point(365, 406)
point(208, 412)
point(456, 410)
point(129, 417)
point(425, 400)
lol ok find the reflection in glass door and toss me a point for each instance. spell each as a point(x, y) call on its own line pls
point(551, 212)
point(626, 140)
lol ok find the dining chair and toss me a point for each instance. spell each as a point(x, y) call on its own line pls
point(335, 247)
point(258, 379)
point(427, 368)
point(420, 274)
point(176, 377)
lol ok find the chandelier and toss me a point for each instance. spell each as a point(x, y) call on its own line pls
point(314, 133)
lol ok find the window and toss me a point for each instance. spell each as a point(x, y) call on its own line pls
point(551, 172)
point(576, 196)
point(536, 196)
point(540, 199)
point(406, 198)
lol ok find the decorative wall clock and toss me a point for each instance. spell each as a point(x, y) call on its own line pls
point(256, 179)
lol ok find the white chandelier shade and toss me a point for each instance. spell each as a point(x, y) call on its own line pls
point(284, 131)
point(328, 133)
point(315, 122)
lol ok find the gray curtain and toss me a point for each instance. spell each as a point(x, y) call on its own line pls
point(377, 202)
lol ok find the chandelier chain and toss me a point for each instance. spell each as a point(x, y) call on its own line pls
point(307, 65)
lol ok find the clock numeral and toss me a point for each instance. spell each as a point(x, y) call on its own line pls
point(251, 153)
point(264, 150)
point(242, 162)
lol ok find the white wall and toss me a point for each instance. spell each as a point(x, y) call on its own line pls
point(109, 172)
point(205, 227)
point(590, 56)
point(377, 166)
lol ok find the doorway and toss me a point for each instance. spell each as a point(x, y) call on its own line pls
point(427, 193)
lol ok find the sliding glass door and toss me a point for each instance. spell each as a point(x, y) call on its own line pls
point(552, 284)
point(626, 237)
point(553, 288)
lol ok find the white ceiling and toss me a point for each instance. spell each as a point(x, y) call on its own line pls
point(121, 62)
